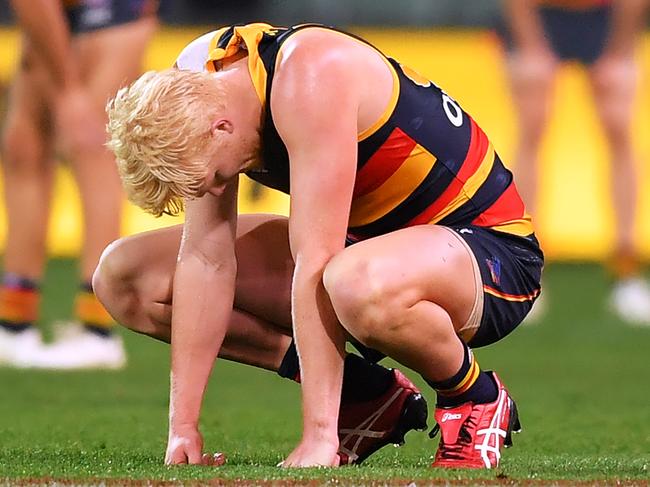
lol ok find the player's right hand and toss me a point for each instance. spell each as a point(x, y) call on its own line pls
point(185, 446)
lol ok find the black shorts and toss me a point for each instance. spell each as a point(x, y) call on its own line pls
point(511, 271)
point(574, 35)
point(90, 15)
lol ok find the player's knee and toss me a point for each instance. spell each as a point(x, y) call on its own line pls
point(346, 282)
point(19, 149)
point(79, 139)
point(364, 299)
point(614, 79)
point(112, 275)
point(533, 72)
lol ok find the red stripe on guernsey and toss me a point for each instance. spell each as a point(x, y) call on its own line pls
point(383, 163)
point(478, 147)
point(507, 207)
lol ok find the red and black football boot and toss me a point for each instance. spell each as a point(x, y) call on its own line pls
point(365, 427)
point(472, 435)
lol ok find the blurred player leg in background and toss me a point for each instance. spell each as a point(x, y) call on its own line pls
point(28, 169)
point(532, 67)
point(104, 43)
point(599, 35)
point(614, 76)
point(109, 58)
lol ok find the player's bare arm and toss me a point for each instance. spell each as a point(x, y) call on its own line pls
point(204, 284)
point(315, 103)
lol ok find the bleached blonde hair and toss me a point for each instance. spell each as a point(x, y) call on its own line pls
point(159, 130)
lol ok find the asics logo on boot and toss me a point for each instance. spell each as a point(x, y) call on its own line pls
point(450, 417)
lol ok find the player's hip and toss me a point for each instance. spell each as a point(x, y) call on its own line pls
point(509, 271)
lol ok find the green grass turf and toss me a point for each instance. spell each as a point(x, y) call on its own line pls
point(580, 378)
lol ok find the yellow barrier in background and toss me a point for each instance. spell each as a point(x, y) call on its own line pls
point(575, 217)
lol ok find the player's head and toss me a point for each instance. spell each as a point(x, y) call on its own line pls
point(176, 135)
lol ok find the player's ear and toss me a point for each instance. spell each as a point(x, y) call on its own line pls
point(221, 125)
point(217, 190)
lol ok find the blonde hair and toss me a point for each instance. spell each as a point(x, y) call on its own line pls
point(159, 129)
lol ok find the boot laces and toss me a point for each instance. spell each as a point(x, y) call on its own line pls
point(454, 451)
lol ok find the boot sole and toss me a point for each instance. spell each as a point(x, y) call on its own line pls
point(514, 425)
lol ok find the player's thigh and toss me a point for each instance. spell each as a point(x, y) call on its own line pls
point(112, 57)
point(264, 265)
point(27, 130)
point(144, 262)
point(399, 269)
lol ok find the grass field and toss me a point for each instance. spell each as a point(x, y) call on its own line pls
point(580, 378)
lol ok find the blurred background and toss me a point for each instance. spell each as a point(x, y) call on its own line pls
point(450, 41)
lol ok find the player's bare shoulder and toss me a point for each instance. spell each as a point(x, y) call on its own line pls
point(317, 63)
point(313, 74)
point(312, 58)
point(315, 46)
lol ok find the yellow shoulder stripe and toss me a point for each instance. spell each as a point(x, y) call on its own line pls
point(246, 37)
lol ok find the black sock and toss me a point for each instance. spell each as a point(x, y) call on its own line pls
point(15, 326)
point(290, 366)
point(362, 380)
point(469, 384)
point(101, 331)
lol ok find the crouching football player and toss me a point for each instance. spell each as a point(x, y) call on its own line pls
point(406, 234)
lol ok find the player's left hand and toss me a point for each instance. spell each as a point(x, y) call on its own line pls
point(313, 454)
